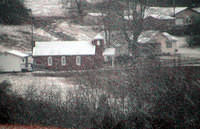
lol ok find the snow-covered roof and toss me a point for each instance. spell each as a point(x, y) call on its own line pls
point(57, 48)
point(158, 11)
point(163, 11)
point(147, 36)
point(17, 53)
point(128, 17)
point(170, 37)
point(179, 9)
point(164, 17)
point(96, 14)
point(150, 36)
point(109, 52)
point(99, 36)
point(196, 9)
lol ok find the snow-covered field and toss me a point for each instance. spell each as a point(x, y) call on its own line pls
point(22, 81)
point(77, 31)
point(65, 88)
point(45, 7)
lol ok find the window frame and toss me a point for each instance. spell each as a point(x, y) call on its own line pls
point(50, 61)
point(63, 60)
point(179, 23)
point(78, 60)
point(169, 44)
point(98, 42)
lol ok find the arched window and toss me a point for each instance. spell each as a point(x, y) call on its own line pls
point(50, 62)
point(78, 60)
point(63, 60)
point(98, 42)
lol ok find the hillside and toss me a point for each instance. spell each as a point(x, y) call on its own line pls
point(49, 24)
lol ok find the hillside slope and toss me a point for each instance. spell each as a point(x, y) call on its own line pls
point(49, 25)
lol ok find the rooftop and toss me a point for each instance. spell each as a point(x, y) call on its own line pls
point(17, 53)
point(58, 48)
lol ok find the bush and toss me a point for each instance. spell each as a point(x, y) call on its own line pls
point(193, 40)
point(179, 106)
point(5, 103)
point(124, 59)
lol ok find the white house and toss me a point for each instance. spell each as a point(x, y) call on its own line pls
point(13, 61)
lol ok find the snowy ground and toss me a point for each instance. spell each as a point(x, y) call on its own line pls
point(45, 7)
point(62, 87)
point(47, 27)
point(190, 52)
point(77, 31)
point(22, 81)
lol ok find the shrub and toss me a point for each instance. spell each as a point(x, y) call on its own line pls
point(193, 40)
point(5, 102)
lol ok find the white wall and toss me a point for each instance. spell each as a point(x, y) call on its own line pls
point(10, 63)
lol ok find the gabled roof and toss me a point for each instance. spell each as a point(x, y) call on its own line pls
point(17, 53)
point(179, 10)
point(68, 48)
point(98, 36)
point(150, 37)
point(169, 37)
point(196, 9)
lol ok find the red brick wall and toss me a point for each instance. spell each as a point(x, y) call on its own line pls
point(87, 62)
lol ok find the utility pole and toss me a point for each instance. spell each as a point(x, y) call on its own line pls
point(32, 43)
point(174, 4)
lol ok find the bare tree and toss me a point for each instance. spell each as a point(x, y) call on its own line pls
point(126, 16)
point(78, 5)
point(135, 16)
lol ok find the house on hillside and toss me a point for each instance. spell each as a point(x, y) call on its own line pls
point(14, 61)
point(158, 22)
point(179, 15)
point(155, 43)
point(186, 16)
point(69, 55)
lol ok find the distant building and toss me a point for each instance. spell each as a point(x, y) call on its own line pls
point(155, 22)
point(13, 61)
point(69, 55)
point(187, 16)
point(109, 56)
point(156, 43)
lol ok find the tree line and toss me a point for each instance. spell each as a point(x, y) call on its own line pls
point(13, 12)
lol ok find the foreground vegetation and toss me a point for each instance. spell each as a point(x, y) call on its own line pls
point(146, 96)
